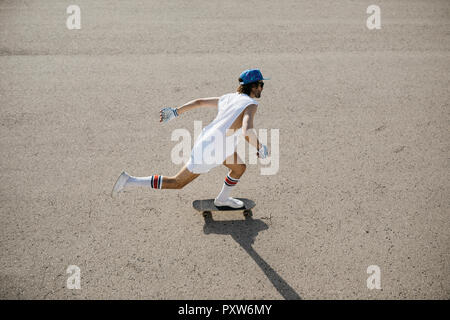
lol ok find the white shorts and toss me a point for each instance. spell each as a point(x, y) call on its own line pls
point(209, 153)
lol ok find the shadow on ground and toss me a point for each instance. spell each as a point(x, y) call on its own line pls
point(244, 232)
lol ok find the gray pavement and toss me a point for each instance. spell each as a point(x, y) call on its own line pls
point(363, 117)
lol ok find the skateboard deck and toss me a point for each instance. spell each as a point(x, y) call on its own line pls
point(207, 206)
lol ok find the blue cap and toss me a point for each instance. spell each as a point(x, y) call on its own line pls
point(251, 75)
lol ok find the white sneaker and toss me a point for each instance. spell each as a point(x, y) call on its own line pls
point(230, 202)
point(120, 183)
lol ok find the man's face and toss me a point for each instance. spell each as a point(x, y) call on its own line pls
point(258, 89)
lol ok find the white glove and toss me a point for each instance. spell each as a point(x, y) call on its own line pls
point(167, 114)
point(262, 152)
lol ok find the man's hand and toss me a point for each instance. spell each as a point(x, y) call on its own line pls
point(167, 114)
point(262, 152)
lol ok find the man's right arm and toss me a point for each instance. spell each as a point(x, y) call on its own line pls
point(166, 114)
point(198, 103)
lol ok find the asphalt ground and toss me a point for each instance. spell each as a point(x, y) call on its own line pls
point(363, 122)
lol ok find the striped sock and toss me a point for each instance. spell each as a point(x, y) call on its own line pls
point(229, 181)
point(228, 184)
point(154, 181)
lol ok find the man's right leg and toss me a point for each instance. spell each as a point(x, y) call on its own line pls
point(182, 178)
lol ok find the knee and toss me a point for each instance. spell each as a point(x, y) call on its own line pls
point(179, 184)
point(240, 169)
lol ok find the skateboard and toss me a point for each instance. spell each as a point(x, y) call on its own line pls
point(207, 206)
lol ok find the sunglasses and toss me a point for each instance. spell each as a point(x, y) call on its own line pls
point(261, 84)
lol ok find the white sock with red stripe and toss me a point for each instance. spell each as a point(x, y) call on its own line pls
point(227, 187)
point(154, 181)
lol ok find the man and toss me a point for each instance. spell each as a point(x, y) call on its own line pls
point(217, 143)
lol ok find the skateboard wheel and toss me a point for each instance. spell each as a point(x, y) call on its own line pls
point(247, 213)
point(206, 213)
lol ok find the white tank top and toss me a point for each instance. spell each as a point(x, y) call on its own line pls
point(230, 106)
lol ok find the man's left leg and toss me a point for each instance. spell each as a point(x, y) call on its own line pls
point(237, 169)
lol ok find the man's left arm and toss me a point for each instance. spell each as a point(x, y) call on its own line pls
point(249, 131)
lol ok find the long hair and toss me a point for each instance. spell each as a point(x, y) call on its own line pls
point(246, 88)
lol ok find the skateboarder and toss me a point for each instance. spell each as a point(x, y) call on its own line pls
point(236, 112)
